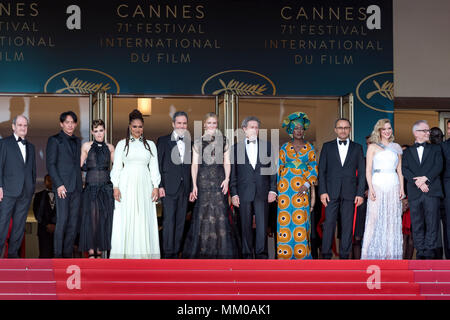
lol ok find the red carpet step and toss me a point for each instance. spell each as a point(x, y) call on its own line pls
point(223, 279)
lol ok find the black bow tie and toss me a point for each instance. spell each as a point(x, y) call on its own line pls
point(343, 142)
point(417, 144)
point(251, 141)
point(24, 141)
point(180, 138)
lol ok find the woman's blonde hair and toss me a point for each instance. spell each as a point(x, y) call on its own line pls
point(210, 115)
point(375, 136)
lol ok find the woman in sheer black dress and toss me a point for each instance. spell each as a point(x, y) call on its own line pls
point(98, 200)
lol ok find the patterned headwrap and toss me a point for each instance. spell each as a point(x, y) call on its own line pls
point(293, 120)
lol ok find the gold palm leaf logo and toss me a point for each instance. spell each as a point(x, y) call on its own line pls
point(241, 88)
point(385, 90)
point(80, 86)
point(381, 84)
point(74, 81)
point(239, 82)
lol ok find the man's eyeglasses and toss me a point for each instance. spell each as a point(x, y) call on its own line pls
point(343, 128)
point(424, 130)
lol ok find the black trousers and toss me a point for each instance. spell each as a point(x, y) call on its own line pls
point(67, 216)
point(174, 217)
point(346, 210)
point(446, 223)
point(425, 225)
point(46, 246)
point(257, 248)
point(17, 209)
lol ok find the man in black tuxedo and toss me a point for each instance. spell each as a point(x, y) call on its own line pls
point(174, 158)
point(446, 184)
point(63, 164)
point(44, 208)
point(342, 177)
point(421, 166)
point(17, 182)
point(253, 185)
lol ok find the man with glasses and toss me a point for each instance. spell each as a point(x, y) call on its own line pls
point(342, 174)
point(422, 166)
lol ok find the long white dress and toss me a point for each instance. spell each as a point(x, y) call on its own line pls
point(135, 226)
point(383, 231)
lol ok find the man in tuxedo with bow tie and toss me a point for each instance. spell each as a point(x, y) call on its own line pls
point(17, 182)
point(421, 166)
point(253, 185)
point(174, 159)
point(63, 164)
point(342, 174)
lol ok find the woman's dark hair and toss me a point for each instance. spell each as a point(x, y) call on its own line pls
point(436, 135)
point(98, 122)
point(135, 115)
point(64, 115)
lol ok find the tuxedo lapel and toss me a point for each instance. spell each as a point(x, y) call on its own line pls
point(27, 152)
point(415, 154)
point(258, 161)
point(336, 153)
point(426, 153)
point(16, 148)
point(66, 143)
point(349, 151)
point(173, 144)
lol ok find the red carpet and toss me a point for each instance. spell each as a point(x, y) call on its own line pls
point(223, 279)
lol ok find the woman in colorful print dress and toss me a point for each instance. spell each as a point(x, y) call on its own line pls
point(297, 172)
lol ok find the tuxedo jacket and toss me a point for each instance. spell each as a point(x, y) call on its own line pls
point(173, 173)
point(446, 167)
point(63, 165)
point(42, 208)
point(249, 183)
point(341, 180)
point(430, 167)
point(17, 175)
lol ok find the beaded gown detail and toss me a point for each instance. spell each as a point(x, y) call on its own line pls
point(211, 235)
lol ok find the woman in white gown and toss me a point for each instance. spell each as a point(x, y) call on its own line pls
point(135, 177)
point(383, 232)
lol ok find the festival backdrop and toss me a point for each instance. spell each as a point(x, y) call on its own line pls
point(251, 47)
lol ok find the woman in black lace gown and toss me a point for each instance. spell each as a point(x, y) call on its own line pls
point(97, 199)
point(210, 235)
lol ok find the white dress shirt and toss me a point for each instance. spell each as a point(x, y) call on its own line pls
point(23, 148)
point(343, 150)
point(181, 146)
point(252, 151)
point(420, 153)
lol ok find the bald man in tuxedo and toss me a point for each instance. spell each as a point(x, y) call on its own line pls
point(17, 182)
